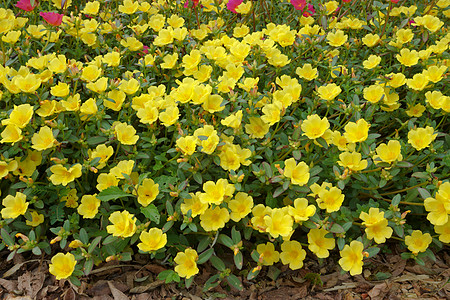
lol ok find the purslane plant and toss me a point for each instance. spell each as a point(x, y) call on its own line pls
point(184, 129)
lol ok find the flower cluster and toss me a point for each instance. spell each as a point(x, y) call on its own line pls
point(164, 127)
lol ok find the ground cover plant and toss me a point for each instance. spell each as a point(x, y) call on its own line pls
point(272, 131)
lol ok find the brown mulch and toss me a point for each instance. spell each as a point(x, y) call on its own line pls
point(385, 277)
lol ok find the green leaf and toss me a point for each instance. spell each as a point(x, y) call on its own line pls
point(84, 238)
point(341, 243)
point(36, 251)
point(188, 281)
point(88, 265)
point(212, 282)
point(7, 239)
point(217, 263)
point(235, 235)
point(336, 228)
point(151, 213)
point(203, 244)
point(396, 200)
point(94, 140)
point(109, 239)
point(94, 244)
point(373, 251)
point(238, 260)
point(424, 193)
point(75, 281)
point(112, 193)
point(253, 273)
point(235, 282)
point(204, 257)
point(226, 240)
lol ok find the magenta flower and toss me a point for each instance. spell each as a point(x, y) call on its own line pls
point(298, 4)
point(232, 4)
point(52, 18)
point(309, 11)
point(194, 3)
point(26, 5)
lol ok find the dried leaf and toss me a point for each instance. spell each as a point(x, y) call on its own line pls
point(379, 291)
point(148, 287)
point(117, 294)
point(8, 285)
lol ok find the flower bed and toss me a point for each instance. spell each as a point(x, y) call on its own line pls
point(279, 131)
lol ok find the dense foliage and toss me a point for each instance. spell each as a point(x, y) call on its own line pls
point(273, 130)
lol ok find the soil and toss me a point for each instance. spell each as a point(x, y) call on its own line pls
point(387, 276)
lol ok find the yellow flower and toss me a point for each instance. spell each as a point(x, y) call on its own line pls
point(444, 232)
point(91, 8)
point(124, 224)
point(187, 144)
point(307, 72)
point(124, 166)
point(112, 59)
point(390, 152)
point(421, 138)
point(186, 263)
point(352, 258)
point(376, 225)
point(416, 110)
point(292, 254)
point(44, 139)
point(329, 92)
point(331, 199)
point(337, 39)
point(435, 99)
point(71, 198)
point(214, 218)
point(357, 132)
point(213, 104)
point(314, 127)
point(27, 84)
point(319, 244)
point(90, 73)
point(439, 207)
point(193, 204)
point(404, 35)
point(36, 219)
point(60, 175)
point(435, 73)
point(148, 114)
point(147, 192)
point(244, 7)
point(11, 37)
point(14, 206)
point(259, 212)
point(268, 254)
point(301, 210)
point(58, 64)
point(418, 82)
point(240, 206)
point(129, 7)
point(169, 61)
point(257, 128)
point(129, 87)
point(352, 160)
point(103, 152)
point(373, 93)
point(98, 86)
point(89, 206)
point(407, 57)
point(371, 40)
point(126, 134)
point(279, 223)
point(20, 116)
point(152, 240)
point(272, 113)
point(6, 167)
point(62, 265)
point(298, 173)
point(396, 79)
point(372, 62)
point(417, 241)
point(11, 134)
point(234, 120)
point(169, 116)
point(115, 100)
point(60, 90)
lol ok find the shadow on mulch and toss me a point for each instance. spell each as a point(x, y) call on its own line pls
point(385, 277)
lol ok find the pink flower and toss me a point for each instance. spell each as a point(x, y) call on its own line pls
point(26, 5)
point(346, 1)
point(309, 11)
point(298, 4)
point(194, 3)
point(232, 4)
point(52, 18)
point(394, 1)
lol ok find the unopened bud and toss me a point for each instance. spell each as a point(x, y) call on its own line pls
point(22, 236)
point(55, 240)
